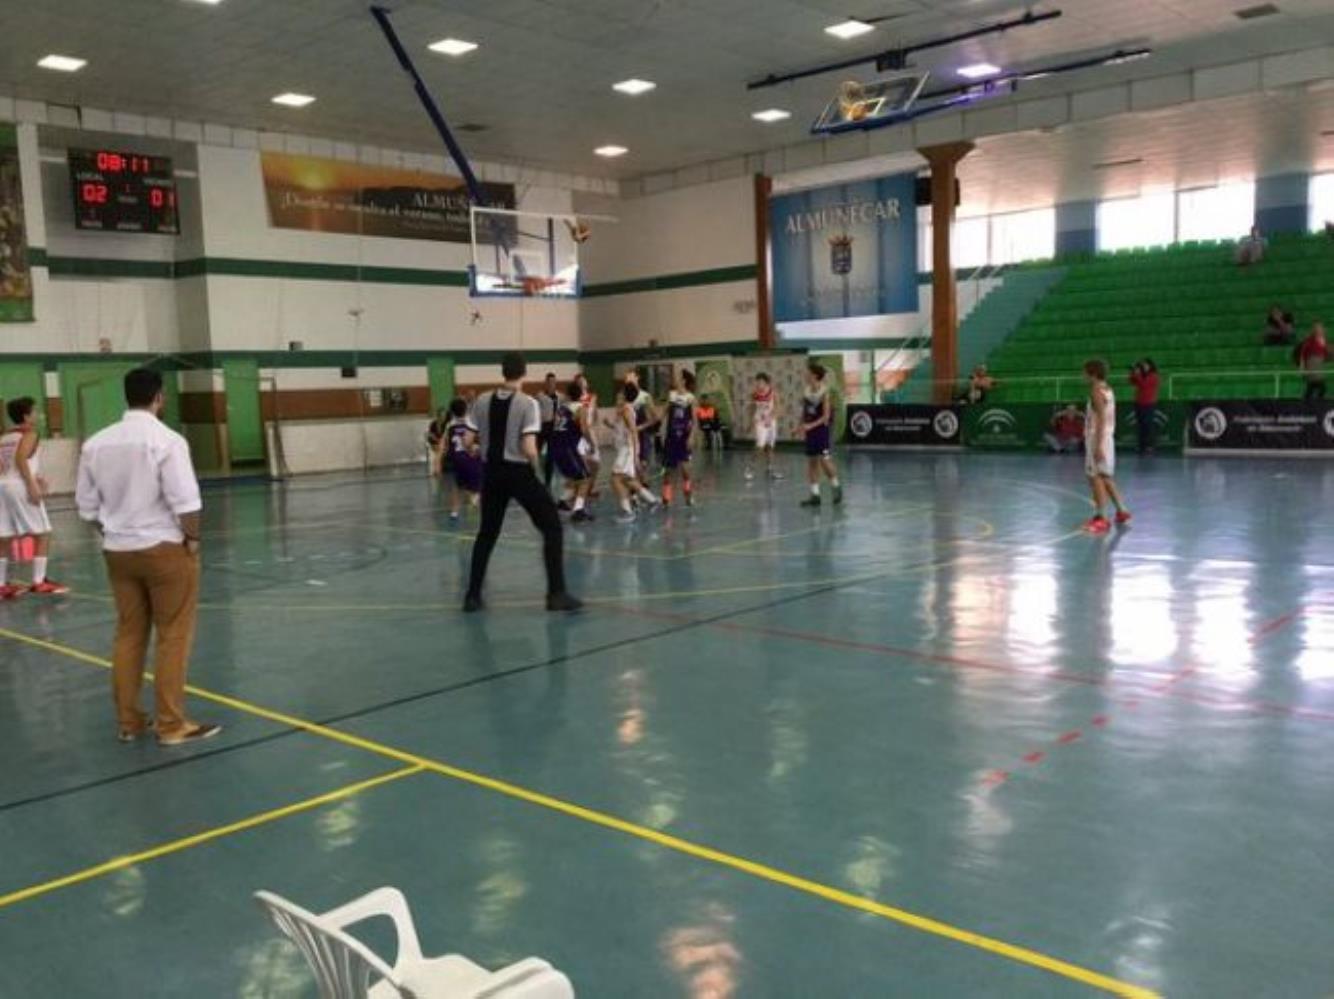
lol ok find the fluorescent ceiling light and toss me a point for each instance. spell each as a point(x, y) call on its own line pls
point(771, 115)
point(290, 100)
point(65, 64)
point(452, 46)
point(978, 70)
point(211, 3)
point(634, 87)
point(850, 28)
point(611, 152)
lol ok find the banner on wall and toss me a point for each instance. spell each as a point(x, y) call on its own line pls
point(358, 199)
point(1025, 426)
point(905, 426)
point(846, 250)
point(1263, 425)
point(713, 381)
point(15, 270)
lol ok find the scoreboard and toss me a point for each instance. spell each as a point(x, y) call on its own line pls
point(123, 192)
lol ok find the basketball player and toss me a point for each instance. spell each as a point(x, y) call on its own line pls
point(548, 401)
point(507, 424)
point(647, 422)
point(817, 421)
point(589, 448)
point(22, 510)
point(764, 416)
point(1100, 449)
point(632, 486)
point(462, 458)
point(567, 433)
point(680, 438)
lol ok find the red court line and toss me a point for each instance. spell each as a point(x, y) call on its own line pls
point(995, 778)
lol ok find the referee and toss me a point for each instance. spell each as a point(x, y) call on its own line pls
point(507, 424)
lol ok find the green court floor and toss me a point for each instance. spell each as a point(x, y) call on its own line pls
point(934, 743)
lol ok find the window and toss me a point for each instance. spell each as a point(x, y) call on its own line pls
point(1124, 223)
point(1023, 236)
point(1224, 212)
point(969, 246)
point(967, 250)
point(1322, 200)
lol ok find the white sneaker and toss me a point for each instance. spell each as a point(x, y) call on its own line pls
point(749, 474)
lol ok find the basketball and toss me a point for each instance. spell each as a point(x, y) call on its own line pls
point(579, 231)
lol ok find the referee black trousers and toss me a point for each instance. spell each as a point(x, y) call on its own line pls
point(505, 481)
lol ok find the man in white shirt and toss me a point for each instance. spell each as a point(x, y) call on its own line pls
point(137, 484)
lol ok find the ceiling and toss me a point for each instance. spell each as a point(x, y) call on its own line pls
point(540, 81)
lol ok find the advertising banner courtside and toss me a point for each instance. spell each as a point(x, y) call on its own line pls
point(847, 250)
point(15, 273)
point(905, 426)
point(357, 199)
point(1024, 426)
point(1262, 425)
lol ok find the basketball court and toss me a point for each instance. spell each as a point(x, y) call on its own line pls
point(937, 740)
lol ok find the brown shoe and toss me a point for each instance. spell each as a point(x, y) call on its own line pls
point(194, 732)
point(135, 734)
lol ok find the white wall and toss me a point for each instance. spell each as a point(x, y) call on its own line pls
point(677, 232)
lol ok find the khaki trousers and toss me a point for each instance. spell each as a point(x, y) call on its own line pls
point(154, 588)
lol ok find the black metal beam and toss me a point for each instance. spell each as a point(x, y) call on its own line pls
point(898, 57)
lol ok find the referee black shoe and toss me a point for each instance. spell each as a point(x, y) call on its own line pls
point(472, 604)
point(564, 603)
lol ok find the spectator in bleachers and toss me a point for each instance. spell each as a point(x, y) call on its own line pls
point(1066, 431)
point(1311, 355)
point(979, 384)
point(1251, 249)
point(1144, 376)
point(1280, 327)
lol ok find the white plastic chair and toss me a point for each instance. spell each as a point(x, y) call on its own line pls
point(345, 968)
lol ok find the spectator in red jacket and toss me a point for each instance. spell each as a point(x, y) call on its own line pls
point(1311, 355)
point(1144, 376)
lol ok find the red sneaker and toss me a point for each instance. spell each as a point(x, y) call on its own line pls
point(1123, 516)
point(1097, 525)
point(10, 592)
point(49, 587)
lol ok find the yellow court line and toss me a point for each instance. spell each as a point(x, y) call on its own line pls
point(925, 924)
point(207, 836)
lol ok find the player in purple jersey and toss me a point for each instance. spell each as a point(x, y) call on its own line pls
point(568, 431)
point(681, 424)
point(817, 422)
point(461, 458)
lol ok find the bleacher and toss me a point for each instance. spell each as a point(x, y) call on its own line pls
point(1188, 306)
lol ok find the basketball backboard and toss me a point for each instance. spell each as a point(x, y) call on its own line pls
point(526, 254)
point(862, 105)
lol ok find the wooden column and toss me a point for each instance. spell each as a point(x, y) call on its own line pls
point(763, 263)
point(944, 160)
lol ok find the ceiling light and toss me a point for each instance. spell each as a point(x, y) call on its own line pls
point(978, 70)
point(65, 64)
point(850, 28)
point(290, 100)
point(211, 3)
point(611, 152)
point(771, 115)
point(452, 46)
point(634, 87)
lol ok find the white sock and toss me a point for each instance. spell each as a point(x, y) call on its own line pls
point(815, 489)
point(834, 482)
point(39, 570)
point(646, 495)
point(578, 503)
point(625, 506)
point(4, 571)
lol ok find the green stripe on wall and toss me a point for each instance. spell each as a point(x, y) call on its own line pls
point(666, 282)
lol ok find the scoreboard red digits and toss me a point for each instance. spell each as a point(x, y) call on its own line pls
point(123, 192)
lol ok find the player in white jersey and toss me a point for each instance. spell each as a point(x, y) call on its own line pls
point(764, 416)
point(22, 510)
point(1100, 449)
point(625, 470)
